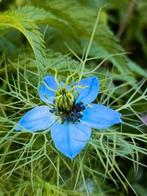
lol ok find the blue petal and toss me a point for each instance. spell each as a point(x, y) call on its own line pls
point(100, 117)
point(70, 138)
point(88, 91)
point(36, 119)
point(47, 90)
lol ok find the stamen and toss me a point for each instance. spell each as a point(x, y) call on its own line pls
point(66, 107)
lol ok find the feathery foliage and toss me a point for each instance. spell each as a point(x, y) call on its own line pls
point(78, 39)
point(28, 28)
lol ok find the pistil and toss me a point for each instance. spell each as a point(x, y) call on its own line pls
point(66, 107)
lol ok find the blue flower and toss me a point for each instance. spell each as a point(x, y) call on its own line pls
point(69, 113)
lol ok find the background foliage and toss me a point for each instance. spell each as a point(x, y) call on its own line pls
point(35, 38)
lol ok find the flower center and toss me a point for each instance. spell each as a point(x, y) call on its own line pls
point(65, 106)
point(64, 100)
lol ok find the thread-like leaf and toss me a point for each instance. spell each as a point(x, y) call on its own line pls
point(73, 27)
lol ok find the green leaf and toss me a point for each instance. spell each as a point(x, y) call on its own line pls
point(73, 27)
point(27, 27)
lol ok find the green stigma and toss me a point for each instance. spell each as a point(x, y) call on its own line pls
point(64, 100)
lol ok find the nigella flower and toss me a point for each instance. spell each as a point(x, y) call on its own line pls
point(69, 113)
